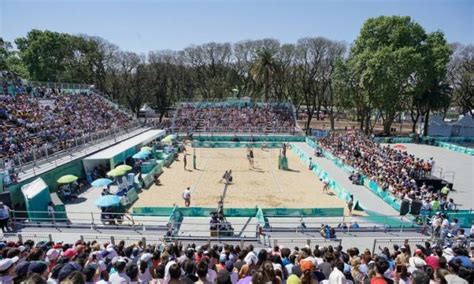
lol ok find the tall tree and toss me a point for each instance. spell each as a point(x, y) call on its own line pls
point(45, 54)
point(264, 70)
point(5, 47)
point(430, 89)
point(388, 55)
point(461, 77)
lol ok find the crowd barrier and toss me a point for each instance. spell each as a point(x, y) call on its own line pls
point(389, 242)
point(370, 184)
point(393, 139)
point(455, 148)
point(211, 144)
point(238, 212)
point(249, 138)
point(443, 142)
point(340, 192)
point(465, 217)
point(232, 102)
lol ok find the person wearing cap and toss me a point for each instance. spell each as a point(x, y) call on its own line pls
point(7, 270)
point(307, 267)
point(69, 254)
point(119, 276)
point(39, 267)
point(145, 272)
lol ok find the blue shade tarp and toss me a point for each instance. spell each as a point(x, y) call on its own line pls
point(101, 182)
point(108, 201)
point(141, 155)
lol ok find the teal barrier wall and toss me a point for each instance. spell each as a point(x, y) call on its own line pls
point(74, 168)
point(465, 217)
point(176, 218)
point(442, 142)
point(260, 218)
point(424, 139)
point(370, 184)
point(455, 148)
point(250, 138)
point(218, 144)
point(393, 139)
point(240, 212)
point(340, 191)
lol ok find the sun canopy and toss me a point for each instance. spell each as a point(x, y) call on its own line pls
point(67, 179)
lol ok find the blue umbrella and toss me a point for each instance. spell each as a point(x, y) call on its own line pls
point(101, 182)
point(141, 155)
point(108, 201)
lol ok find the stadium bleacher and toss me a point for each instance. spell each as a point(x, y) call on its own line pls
point(51, 120)
point(237, 116)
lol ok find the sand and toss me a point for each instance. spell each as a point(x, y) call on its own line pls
point(265, 185)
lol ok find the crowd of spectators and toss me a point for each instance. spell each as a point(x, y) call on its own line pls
point(394, 170)
point(94, 262)
point(52, 118)
point(271, 118)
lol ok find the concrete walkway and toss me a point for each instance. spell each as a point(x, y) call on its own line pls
point(459, 165)
point(367, 199)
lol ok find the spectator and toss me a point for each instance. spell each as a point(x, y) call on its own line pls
point(4, 217)
point(393, 170)
point(228, 117)
point(172, 263)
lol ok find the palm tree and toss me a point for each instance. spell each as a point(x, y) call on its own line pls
point(264, 68)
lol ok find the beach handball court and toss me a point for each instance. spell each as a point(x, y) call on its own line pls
point(264, 185)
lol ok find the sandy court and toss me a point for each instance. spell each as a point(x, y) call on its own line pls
point(265, 185)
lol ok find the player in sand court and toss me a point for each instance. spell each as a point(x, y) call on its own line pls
point(251, 157)
point(187, 197)
point(185, 160)
point(326, 185)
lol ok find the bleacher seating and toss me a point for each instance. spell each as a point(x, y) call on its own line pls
point(240, 117)
point(52, 118)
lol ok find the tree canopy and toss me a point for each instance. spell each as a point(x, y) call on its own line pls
point(394, 67)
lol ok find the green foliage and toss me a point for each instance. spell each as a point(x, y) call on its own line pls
point(4, 53)
point(398, 65)
point(59, 57)
point(393, 66)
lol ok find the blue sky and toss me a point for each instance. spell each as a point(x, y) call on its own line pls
point(145, 25)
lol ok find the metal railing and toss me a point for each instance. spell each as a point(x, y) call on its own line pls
point(126, 221)
point(380, 243)
point(39, 156)
point(221, 129)
point(64, 86)
point(198, 241)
